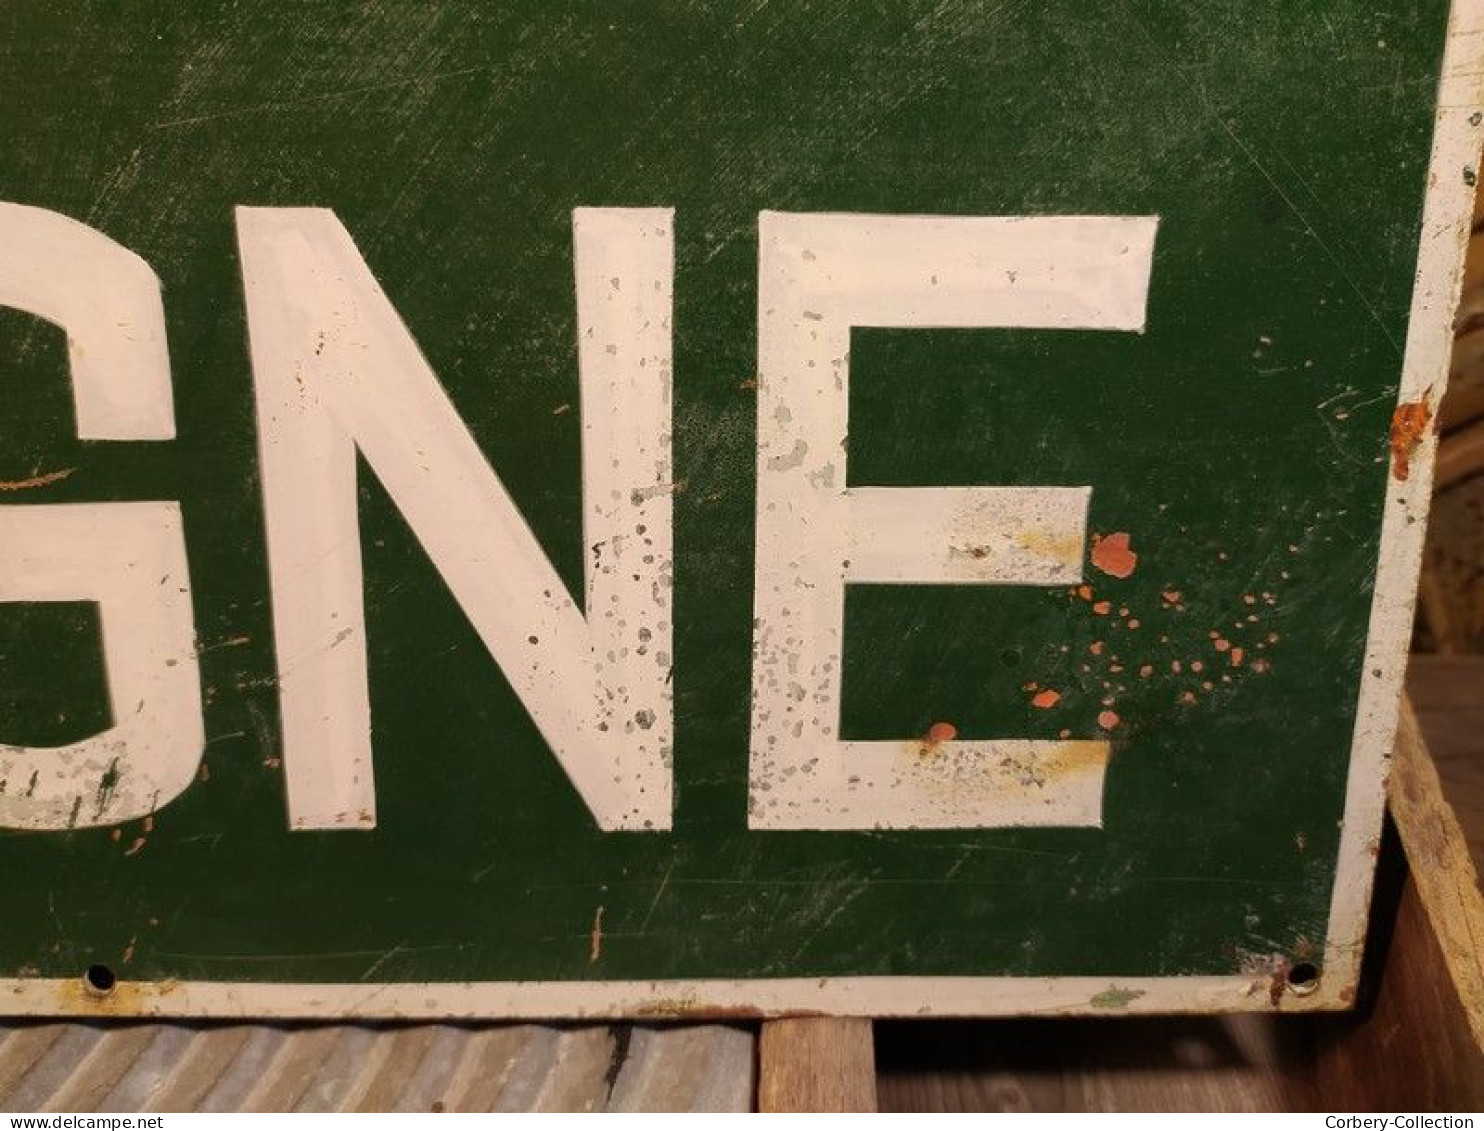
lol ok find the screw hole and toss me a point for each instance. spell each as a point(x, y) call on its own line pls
point(1303, 978)
point(1010, 657)
point(100, 980)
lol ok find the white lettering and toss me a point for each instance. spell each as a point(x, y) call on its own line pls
point(337, 372)
point(819, 275)
point(129, 558)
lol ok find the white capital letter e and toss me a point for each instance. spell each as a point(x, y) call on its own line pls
point(819, 275)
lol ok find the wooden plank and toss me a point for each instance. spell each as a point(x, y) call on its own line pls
point(1447, 882)
point(1411, 1047)
point(1460, 456)
point(817, 1064)
point(1448, 695)
point(1239, 1063)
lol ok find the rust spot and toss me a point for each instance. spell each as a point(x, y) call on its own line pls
point(75, 999)
point(1108, 720)
point(1408, 426)
point(595, 945)
point(1076, 758)
point(733, 1012)
point(36, 480)
point(1046, 699)
point(1112, 555)
point(1040, 542)
point(938, 732)
point(1278, 983)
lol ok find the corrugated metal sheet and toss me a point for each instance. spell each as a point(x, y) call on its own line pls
point(112, 1066)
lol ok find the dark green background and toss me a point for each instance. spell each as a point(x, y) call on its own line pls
point(1283, 145)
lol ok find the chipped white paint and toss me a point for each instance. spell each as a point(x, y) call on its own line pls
point(820, 275)
point(130, 559)
point(337, 372)
point(966, 535)
point(763, 997)
point(1446, 220)
point(108, 301)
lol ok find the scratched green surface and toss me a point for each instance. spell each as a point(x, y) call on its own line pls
point(1240, 441)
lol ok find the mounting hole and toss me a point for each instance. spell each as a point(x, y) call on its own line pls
point(1303, 978)
point(1011, 657)
point(99, 980)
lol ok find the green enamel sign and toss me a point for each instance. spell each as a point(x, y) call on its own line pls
point(558, 509)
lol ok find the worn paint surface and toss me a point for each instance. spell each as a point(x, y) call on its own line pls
point(1227, 647)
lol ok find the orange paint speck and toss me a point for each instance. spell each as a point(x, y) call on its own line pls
point(1236, 657)
point(1171, 596)
point(1085, 592)
point(1108, 720)
point(1046, 699)
point(1096, 647)
point(1112, 555)
point(1134, 623)
point(1146, 671)
point(941, 732)
point(1408, 426)
point(1187, 697)
point(1197, 666)
point(1222, 644)
point(1064, 734)
point(1103, 608)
